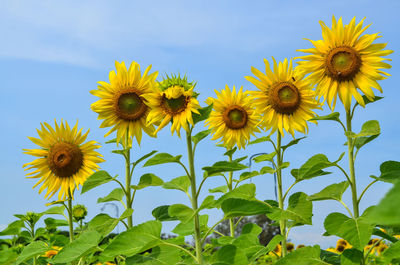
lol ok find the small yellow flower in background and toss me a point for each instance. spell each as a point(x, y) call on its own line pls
point(278, 250)
point(284, 98)
point(233, 118)
point(341, 245)
point(381, 248)
point(300, 246)
point(331, 250)
point(122, 104)
point(174, 100)
point(64, 162)
point(52, 252)
point(290, 247)
point(344, 61)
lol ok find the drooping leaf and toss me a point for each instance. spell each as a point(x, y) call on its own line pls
point(334, 116)
point(234, 207)
point(135, 240)
point(181, 211)
point(264, 157)
point(331, 192)
point(86, 243)
point(32, 250)
point(200, 136)
point(180, 183)
point(260, 140)
point(123, 152)
point(351, 257)
point(103, 224)
point(204, 114)
point(303, 256)
point(230, 152)
point(162, 158)
point(356, 231)
point(96, 179)
point(293, 142)
point(147, 180)
point(115, 195)
point(223, 166)
point(143, 158)
point(387, 212)
point(161, 214)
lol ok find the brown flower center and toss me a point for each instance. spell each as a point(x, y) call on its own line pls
point(65, 159)
point(343, 63)
point(340, 248)
point(235, 117)
point(175, 105)
point(129, 105)
point(284, 98)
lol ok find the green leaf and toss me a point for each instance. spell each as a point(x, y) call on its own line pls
point(361, 141)
point(245, 191)
point(266, 170)
point(200, 136)
point(207, 203)
point(264, 157)
point(228, 255)
point(144, 157)
point(160, 255)
point(369, 128)
point(181, 211)
point(331, 192)
point(299, 210)
point(115, 195)
point(103, 224)
point(55, 210)
point(270, 246)
point(367, 101)
point(180, 183)
point(162, 158)
point(312, 168)
point(260, 140)
point(223, 166)
point(390, 171)
point(387, 211)
point(54, 223)
point(330, 257)
point(222, 189)
point(126, 214)
point(83, 245)
point(13, 228)
point(234, 207)
point(230, 152)
point(96, 179)
point(161, 213)
point(111, 141)
point(351, 257)
point(147, 180)
point(185, 229)
point(204, 113)
point(8, 256)
point(356, 231)
point(135, 240)
point(303, 256)
point(32, 250)
point(393, 251)
point(293, 142)
point(284, 165)
point(123, 152)
point(334, 116)
point(248, 175)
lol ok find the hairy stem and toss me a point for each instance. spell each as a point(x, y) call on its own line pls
point(353, 185)
point(197, 234)
point(128, 177)
point(231, 222)
point(282, 222)
point(70, 223)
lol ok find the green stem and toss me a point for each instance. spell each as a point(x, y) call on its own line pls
point(128, 177)
point(353, 185)
point(197, 234)
point(70, 222)
point(33, 238)
point(231, 222)
point(366, 188)
point(282, 222)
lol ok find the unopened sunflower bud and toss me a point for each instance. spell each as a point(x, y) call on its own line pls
point(79, 212)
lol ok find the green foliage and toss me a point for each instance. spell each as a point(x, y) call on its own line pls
point(351, 257)
point(162, 158)
point(160, 255)
point(180, 183)
point(291, 143)
point(161, 213)
point(143, 158)
point(223, 166)
point(103, 224)
point(228, 255)
point(32, 250)
point(260, 140)
point(233, 207)
point(181, 211)
point(204, 113)
point(387, 211)
point(334, 116)
point(245, 191)
point(200, 136)
point(264, 157)
point(331, 192)
point(390, 172)
point(115, 195)
point(185, 229)
point(303, 256)
point(96, 179)
point(147, 180)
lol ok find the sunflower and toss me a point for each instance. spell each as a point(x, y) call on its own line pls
point(174, 100)
point(382, 248)
point(345, 61)
point(284, 98)
point(278, 250)
point(52, 252)
point(233, 118)
point(290, 247)
point(64, 160)
point(123, 104)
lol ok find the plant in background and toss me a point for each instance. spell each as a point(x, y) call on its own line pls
point(123, 106)
point(286, 103)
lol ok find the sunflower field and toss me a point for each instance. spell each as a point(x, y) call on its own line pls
point(339, 72)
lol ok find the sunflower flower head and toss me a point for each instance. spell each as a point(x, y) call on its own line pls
point(64, 160)
point(278, 250)
point(290, 247)
point(123, 104)
point(233, 117)
point(285, 100)
point(173, 100)
point(52, 252)
point(345, 62)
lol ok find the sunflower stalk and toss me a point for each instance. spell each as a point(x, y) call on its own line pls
point(192, 177)
point(70, 220)
point(128, 178)
point(231, 221)
point(282, 222)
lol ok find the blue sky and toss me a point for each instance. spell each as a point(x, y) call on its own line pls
point(53, 53)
